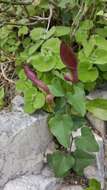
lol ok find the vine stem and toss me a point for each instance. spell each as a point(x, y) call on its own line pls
point(82, 11)
point(71, 143)
point(49, 18)
point(17, 3)
point(18, 24)
point(35, 18)
point(3, 73)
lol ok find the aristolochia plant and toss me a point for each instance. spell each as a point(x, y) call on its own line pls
point(52, 77)
point(69, 95)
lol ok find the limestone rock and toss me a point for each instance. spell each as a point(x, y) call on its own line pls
point(23, 142)
point(97, 124)
point(99, 93)
point(105, 143)
point(18, 103)
point(72, 187)
point(37, 182)
point(47, 172)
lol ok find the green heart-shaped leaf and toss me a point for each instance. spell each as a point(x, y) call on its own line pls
point(82, 160)
point(61, 127)
point(77, 100)
point(61, 163)
point(98, 107)
point(87, 141)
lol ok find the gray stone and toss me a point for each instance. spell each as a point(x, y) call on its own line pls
point(47, 172)
point(18, 103)
point(97, 171)
point(97, 124)
point(72, 187)
point(105, 143)
point(38, 182)
point(105, 185)
point(98, 94)
point(23, 142)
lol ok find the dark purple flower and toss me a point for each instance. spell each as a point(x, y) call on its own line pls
point(69, 59)
point(31, 75)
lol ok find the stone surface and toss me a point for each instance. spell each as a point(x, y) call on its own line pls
point(38, 182)
point(47, 172)
point(97, 124)
point(18, 103)
point(23, 142)
point(105, 143)
point(105, 185)
point(97, 171)
point(98, 94)
point(71, 187)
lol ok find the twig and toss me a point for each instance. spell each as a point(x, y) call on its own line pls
point(71, 142)
point(80, 15)
point(79, 12)
point(26, 11)
point(17, 3)
point(49, 18)
point(34, 18)
point(38, 18)
point(3, 73)
point(4, 9)
point(9, 57)
point(18, 24)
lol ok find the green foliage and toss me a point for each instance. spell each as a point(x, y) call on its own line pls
point(87, 141)
point(1, 97)
point(94, 185)
point(23, 31)
point(83, 32)
point(62, 31)
point(37, 33)
point(61, 127)
point(82, 160)
point(41, 62)
point(34, 99)
point(32, 34)
point(86, 71)
point(56, 88)
point(64, 3)
point(61, 163)
point(77, 100)
point(98, 107)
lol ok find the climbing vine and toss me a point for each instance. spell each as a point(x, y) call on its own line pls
point(59, 53)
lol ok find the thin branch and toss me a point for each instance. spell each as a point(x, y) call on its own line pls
point(26, 11)
point(38, 18)
point(78, 18)
point(17, 3)
point(34, 19)
point(79, 12)
point(71, 142)
point(18, 24)
point(9, 57)
point(4, 9)
point(49, 18)
point(3, 73)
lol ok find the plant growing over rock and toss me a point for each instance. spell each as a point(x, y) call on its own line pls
point(39, 38)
